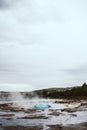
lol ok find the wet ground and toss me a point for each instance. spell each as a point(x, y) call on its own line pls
point(62, 115)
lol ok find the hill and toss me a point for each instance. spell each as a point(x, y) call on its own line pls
point(71, 92)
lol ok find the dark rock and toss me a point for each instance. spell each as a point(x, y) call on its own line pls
point(34, 117)
point(54, 113)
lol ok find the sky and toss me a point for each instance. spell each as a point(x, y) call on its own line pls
point(43, 44)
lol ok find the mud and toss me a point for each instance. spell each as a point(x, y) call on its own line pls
point(21, 128)
point(81, 126)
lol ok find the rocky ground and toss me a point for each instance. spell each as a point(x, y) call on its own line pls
point(63, 115)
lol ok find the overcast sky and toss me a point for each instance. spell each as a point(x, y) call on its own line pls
point(43, 43)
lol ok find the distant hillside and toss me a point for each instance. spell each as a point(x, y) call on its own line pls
point(72, 92)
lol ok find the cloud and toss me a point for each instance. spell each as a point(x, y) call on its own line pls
point(41, 21)
point(39, 39)
point(26, 22)
point(4, 67)
point(80, 70)
point(3, 4)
